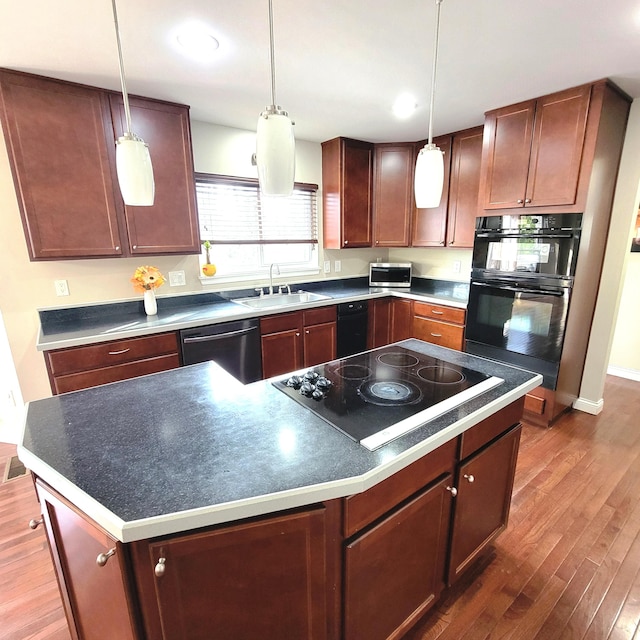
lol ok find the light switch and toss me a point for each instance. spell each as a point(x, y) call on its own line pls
point(327, 266)
point(337, 266)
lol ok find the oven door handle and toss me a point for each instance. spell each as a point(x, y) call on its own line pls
point(524, 236)
point(558, 294)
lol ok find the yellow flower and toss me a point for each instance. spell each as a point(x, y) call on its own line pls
point(146, 278)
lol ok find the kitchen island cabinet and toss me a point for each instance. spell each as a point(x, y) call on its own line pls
point(61, 142)
point(300, 531)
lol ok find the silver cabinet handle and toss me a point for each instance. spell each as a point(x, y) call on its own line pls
point(346, 242)
point(103, 558)
point(527, 200)
point(34, 524)
point(436, 312)
point(117, 353)
point(453, 490)
point(160, 567)
point(297, 335)
point(307, 331)
point(436, 335)
point(520, 201)
point(469, 477)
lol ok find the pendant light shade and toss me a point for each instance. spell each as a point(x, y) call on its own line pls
point(275, 152)
point(429, 173)
point(275, 141)
point(429, 177)
point(135, 173)
point(133, 161)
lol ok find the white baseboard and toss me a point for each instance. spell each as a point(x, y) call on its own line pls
point(621, 372)
point(589, 406)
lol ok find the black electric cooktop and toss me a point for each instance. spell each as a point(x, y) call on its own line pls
point(377, 396)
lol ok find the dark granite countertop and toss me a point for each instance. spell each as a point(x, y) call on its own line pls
point(76, 326)
point(192, 447)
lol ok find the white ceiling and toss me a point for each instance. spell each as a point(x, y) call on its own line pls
point(340, 63)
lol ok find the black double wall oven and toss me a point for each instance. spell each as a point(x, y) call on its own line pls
point(521, 280)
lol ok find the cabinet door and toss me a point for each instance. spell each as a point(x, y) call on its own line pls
point(506, 152)
point(171, 224)
point(262, 579)
point(466, 158)
point(394, 572)
point(347, 175)
point(96, 596)
point(319, 343)
point(481, 510)
point(58, 138)
point(430, 225)
point(393, 195)
point(281, 352)
point(401, 320)
point(379, 322)
point(556, 151)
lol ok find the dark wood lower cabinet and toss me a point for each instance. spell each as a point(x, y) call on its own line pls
point(97, 599)
point(394, 572)
point(263, 579)
point(484, 485)
point(367, 566)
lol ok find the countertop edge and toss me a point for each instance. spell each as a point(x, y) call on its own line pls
point(184, 521)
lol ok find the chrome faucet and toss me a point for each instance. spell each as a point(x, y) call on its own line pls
point(273, 264)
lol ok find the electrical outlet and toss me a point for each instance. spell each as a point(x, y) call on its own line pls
point(456, 266)
point(177, 279)
point(327, 266)
point(62, 287)
point(337, 266)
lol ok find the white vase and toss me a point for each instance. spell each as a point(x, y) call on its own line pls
point(150, 304)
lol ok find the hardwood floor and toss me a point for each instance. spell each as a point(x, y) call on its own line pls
point(567, 567)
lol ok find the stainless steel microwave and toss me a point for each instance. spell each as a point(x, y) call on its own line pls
point(390, 274)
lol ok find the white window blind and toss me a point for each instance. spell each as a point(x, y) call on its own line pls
point(234, 211)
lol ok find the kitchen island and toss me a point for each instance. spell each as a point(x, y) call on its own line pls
point(186, 505)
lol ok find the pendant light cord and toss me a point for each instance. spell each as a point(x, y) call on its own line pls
point(125, 95)
point(272, 55)
point(433, 72)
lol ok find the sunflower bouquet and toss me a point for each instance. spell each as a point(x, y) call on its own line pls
point(147, 278)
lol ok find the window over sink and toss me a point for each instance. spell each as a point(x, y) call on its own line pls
point(249, 231)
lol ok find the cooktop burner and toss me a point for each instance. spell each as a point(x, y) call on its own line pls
point(377, 396)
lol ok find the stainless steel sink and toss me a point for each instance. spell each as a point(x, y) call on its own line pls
point(277, 300)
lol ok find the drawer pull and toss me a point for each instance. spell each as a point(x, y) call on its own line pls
point(117, 353)
point(34, 524)
point(453, 490)
point(437, 335)
point(103, 558)
point(469, 477)
point(436, 312)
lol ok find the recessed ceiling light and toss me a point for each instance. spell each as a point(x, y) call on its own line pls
point(404, 106)
point(196, 41)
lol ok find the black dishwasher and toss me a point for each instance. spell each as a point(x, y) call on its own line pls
point(352, 328)
point(235, 346)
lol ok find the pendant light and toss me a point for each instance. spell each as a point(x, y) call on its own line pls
point(275, 142)
point(429, 174)
point(133, 162)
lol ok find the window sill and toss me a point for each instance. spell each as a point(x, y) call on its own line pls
point(257, 278)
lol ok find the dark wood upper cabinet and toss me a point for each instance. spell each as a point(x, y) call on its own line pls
point(347, 176)
point(393, 194)
point(466, 160)
point(58, 137)
point(533, 151)
point(61, 142)
point(171, 224)
point(430, 225)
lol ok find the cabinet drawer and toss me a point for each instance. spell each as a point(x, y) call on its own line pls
point(106, 354)
point(534, 404)
point(437, 312)
point(440, 333)
point(363, 508)
point(94, 377)
point(281, 322)
point(319, 316)
point(490, 428)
